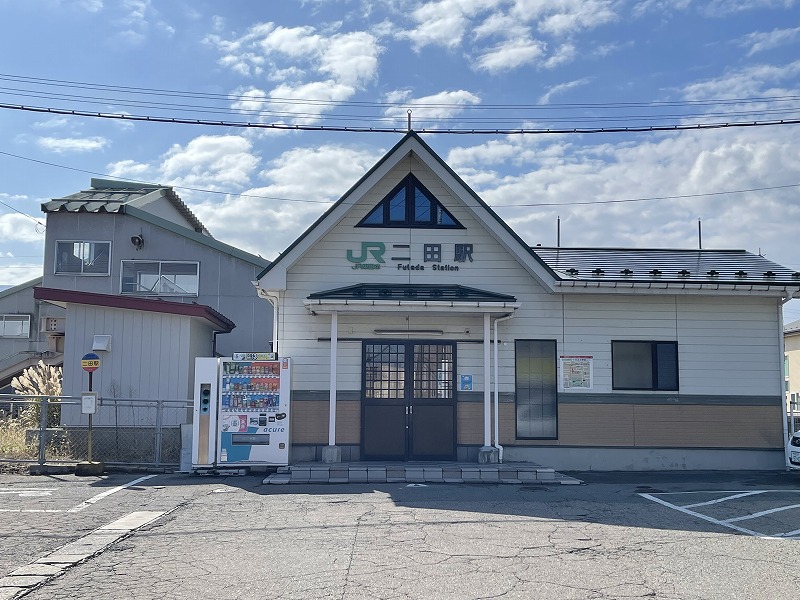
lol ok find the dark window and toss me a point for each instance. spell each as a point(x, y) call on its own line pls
point(83, 258)
point(644, 365)
point(536, 391)
point(410, 204)
point(160, 278)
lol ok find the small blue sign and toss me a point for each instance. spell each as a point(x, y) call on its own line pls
point(465, 384)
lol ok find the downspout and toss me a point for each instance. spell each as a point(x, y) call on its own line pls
point(497, 389)
point(274, 300)
point(785, 409)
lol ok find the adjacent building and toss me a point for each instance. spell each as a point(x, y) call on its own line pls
point(138, 280)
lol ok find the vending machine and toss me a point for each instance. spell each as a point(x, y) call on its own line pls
point(248, 410)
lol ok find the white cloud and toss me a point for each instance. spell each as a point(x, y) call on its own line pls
point(15, 227)
point(668, 165)
point(349, 58)
point(128, 169)
point(443, 23)
point(747, 82)
point(762, 41)
point(215, 162)
point(312, 174)
point(565, 17)
point(565, 53)
point(92, 6)
point(436, 106)
point(52, 123)
point(563, 87)
point(510, 54)
point(718, 8)
point(17, 273)
point(64, 145)
point(307, 64)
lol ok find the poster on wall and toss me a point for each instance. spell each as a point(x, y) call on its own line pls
point(576, 372)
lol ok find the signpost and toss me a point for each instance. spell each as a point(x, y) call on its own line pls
point(89, 363)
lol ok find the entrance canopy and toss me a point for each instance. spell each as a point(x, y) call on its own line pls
point(376, 297)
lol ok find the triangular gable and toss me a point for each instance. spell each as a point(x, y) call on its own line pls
point(273, 277)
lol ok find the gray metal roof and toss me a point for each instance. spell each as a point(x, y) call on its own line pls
point(111, 196)
point(792, 327)
point(673, 266)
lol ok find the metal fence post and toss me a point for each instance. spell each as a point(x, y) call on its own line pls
point(42, 429)
point(159, 433)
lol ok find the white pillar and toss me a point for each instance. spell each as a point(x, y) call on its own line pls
point(487, 378)
point(332, 417)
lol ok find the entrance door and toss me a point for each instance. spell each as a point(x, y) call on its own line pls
point(408, 401)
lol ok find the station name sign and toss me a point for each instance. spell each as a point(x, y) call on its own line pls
point(436, 257)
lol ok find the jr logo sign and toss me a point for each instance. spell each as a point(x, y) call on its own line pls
point(376, 249)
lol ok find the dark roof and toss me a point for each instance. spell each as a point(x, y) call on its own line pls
point(792, 327)
point(407, 291)
point(111, 196)
point(218, 320)
point(678, 266)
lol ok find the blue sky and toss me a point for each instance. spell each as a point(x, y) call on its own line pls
point(457, 64)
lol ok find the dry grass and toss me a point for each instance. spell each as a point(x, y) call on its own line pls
point(17, 443)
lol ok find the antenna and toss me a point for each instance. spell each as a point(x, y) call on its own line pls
point(700, 234)
point(558, 231)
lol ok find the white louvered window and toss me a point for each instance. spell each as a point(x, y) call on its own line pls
point(15, 326)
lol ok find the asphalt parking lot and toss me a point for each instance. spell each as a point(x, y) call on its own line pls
point(619, 535)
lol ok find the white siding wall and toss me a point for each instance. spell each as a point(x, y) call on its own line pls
point(325, 267)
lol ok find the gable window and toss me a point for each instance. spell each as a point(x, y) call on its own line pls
point(83, 258)
point(644, 365)
point(160, 278)
point(15, 326)
point(410, 204)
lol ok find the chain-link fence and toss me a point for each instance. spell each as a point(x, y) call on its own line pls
point(124, 431)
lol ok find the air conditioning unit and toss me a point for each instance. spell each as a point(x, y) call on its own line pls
point(54, 325)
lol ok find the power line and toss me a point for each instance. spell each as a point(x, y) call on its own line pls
point(362, 129)
point(281, 199)
point(386, 104)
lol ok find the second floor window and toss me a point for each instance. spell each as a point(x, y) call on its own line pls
point(160, 278)
point(83, 258)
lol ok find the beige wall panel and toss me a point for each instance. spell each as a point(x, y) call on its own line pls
point(469, 423)
point(310, 422)
point(348, 422)
point(709, 426)
point(596, 424)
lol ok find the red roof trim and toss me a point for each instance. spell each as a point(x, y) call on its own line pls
point(220, 321)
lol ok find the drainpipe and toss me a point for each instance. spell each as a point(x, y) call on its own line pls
point(785, 409)
point(274, 300)
point(497, 389)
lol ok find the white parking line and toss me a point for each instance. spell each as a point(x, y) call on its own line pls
point(100, 496)
point(743, 495)
point(729, 522)
point(702, 516)
point(762, 513)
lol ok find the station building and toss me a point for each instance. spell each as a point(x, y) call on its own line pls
point(422, 327)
